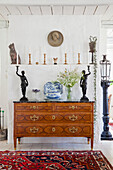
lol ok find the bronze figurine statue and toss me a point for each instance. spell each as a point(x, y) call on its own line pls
point(13, 55)
point(83, 84)
point(24, 84)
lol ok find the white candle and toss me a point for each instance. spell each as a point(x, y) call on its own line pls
point(17, 57)
point(2, 119)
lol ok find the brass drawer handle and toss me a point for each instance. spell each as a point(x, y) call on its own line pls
point(53, 129)
point(34, 118)
point(34, 130)
point(73, 118)
point(34, 107)
point(73, 130)
point(53, 117)
point(73, 107)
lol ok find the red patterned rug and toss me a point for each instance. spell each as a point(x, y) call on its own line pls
point(53, 160)
point(111, 125)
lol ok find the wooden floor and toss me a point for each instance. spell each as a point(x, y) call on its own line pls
point(105, 146)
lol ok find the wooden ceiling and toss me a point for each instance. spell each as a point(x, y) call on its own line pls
point(59, 7)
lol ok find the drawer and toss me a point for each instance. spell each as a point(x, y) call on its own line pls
point(52, 117)
point(34, 107)
point(76, 107)
point(53, 130)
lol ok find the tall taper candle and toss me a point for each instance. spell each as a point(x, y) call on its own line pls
point(65, 58)
point(2, 119)
point(78, 58)
point(17, 57)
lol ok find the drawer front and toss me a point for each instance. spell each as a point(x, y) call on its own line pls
point(34, 107)
point(53, 130)
point(52, 117)
point(76, 107)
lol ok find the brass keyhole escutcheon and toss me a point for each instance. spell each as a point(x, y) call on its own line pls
point(53, 117)
point(53, 129)
point(34, 107)
point(73, 107)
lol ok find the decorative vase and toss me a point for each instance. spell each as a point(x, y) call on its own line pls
point(69, 90)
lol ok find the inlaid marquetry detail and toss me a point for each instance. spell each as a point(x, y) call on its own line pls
point(73, 107)
point(22, 117)
point(55, 117)
point(33, 107)
point(56, 129)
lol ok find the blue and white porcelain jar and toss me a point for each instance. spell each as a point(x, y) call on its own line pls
point(53, 90)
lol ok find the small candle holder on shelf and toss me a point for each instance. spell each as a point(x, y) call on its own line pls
point(55, 61)
point(29, 59)
point(65, 58)
point(44, 59)
point(78, 58)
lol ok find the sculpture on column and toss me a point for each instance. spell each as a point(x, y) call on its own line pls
point(24, 84)
point(83, 84)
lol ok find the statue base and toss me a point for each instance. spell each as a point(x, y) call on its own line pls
point(84, 98)
point(24, 99)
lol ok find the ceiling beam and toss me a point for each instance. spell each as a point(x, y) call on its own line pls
point(56, 2)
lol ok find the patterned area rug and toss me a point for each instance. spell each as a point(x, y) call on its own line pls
point(111, 125)
point(53, 160)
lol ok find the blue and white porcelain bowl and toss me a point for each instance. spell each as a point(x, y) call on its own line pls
point(53, 90)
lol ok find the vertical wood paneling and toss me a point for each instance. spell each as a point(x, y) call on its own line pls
point(46, 10)
point(79, 10)
point(35, 10)
point(24, 10)
point(89, 10)
point(100, 10)
point(68, 10)
point(13, 10)
point(57, 10)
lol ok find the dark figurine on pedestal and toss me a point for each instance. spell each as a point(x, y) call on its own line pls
point(83, 84)
point(24, 84)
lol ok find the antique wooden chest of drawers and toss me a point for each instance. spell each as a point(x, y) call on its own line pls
point(53, 119)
